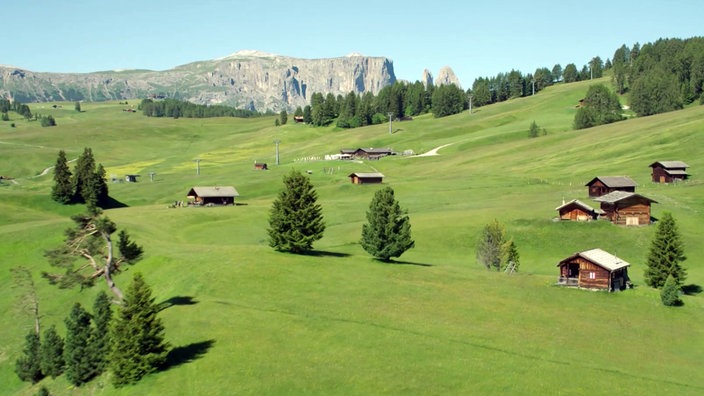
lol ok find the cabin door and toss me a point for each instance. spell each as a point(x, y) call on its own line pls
point(632, 221)
point(573, 270)
point(662, 179)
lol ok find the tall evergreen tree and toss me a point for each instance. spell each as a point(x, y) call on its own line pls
point(80, 362)
point(295, 219)
point(138, 346)
point(100, 185)
point(666, 254)
point(387, 233)
point(52, 353)
point(28, 366)
point(62, 190)
point(600, 107)
point(100, 337)
point(283, 117)
point(83, 177)
point(492, 246)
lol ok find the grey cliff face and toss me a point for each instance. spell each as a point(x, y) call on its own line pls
point(447, 76)
point(245, 80)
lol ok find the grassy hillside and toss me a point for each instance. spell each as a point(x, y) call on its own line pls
point(339, 322)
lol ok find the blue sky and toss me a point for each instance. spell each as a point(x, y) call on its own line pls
point(476, 39)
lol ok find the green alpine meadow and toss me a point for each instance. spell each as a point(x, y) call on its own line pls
point(240, 317)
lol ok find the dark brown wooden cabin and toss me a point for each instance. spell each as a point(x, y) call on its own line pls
point(212, 195)
point(261, 166)
point(626, 208)
point(576, 210)
point(669, 171)
point(366, 178)
point(367, 153)
point(602, 185)
point(594, 269)
point(131, 178)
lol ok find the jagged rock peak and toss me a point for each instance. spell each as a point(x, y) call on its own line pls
point(447, 76)
point(427, 78)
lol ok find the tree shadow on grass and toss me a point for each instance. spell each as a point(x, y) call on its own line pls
point(178, 300)
point(112, 203)
point(186, 354)
point(323, 253)
point(692, 289)
point(402, 262)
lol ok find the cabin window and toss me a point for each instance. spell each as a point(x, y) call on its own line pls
point(592, 275)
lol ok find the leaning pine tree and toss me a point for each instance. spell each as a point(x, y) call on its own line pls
point(388, 231)
point(138, 346)
point(296, 219)
point(665, 255)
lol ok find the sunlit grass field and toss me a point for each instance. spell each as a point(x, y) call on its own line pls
point(255, 321)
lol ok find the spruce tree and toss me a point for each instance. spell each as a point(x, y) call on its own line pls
point(670, 293)
point(513, 259)
point(62, 191)
point(295, 219)
point(100, 185)
point(100, 337)
point(138, 346)
point(80, 363)
point(83, 177)
point(28, 366)
point(387, 233)
point(52, 353)
point(665, 255)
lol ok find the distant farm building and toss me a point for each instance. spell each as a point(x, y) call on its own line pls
point(669, 171)
point(366, 178)
point(626, 208)
point(298, 119)
point(594, 269)
point(601, 185)
point(366, 153)
point(212, 196)
point(131, 178)
point(576, 210)
point(261, 166)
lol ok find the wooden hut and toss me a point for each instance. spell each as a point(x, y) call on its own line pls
point(576, 210)
point(626, 208)
point(212, 195)
point(602, 185)
point(669, 171)
point(131, 178)
point(366, 178)
point(367, 153)
point(261, 166)
point(594, 269)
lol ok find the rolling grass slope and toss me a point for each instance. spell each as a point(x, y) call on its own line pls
point(255, 321)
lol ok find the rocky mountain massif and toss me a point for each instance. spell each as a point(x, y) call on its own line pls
point(246, 79)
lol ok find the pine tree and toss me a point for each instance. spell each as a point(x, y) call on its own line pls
point(491, 249)
point(388, 231)
point(665, 255)
point(513, 259)
point(28, 366)
point(138, 346)
point(80, 363)
point(62, 191)
point(670, 293)
point(100, 185)
point(52, 353)
point(83, 177)
point(295, 219)
point(100, 337)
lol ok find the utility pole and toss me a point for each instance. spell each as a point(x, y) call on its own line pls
point(470, 104)
point(197, 161)
point(277, 141)
point(390, 123)
point(151, 176)
point(533, 83)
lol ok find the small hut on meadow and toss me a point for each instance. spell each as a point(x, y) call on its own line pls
point(366, 178)
point(626, 208)
point(212, 195)
point(261, 166)
point(594, 269)
point(576, 210)
point(367, 153)
point(602, 185)
point(669, 171)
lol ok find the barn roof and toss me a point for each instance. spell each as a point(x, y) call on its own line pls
point(578, 203)
point(218, 191)
point(365, 175)
point(599, 257)
point(616, 196)
point(676, 172)
point(669, 164)
point(614, 181)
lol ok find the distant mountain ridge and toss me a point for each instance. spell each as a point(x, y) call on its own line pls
point(246, 79)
